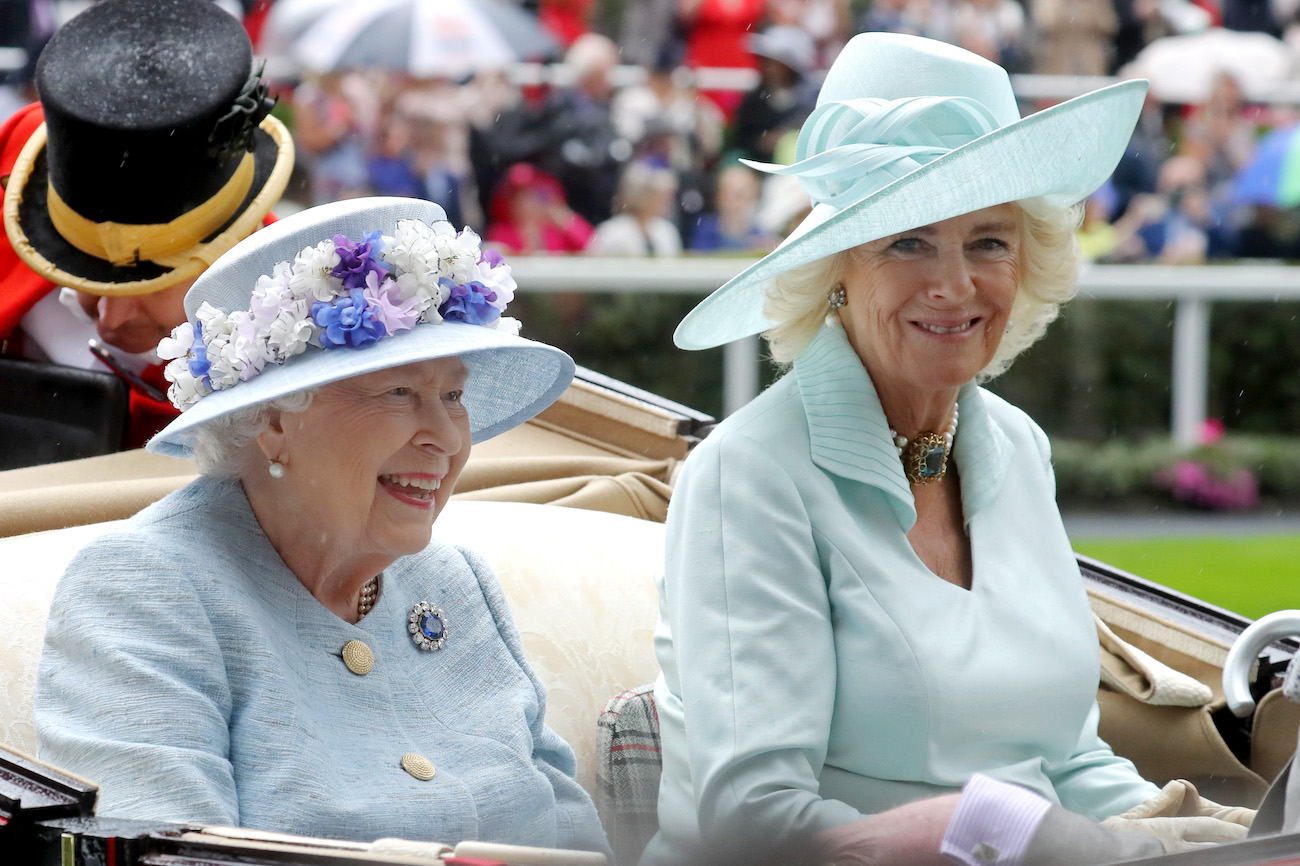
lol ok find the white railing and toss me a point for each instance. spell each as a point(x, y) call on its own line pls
point(1191, 289)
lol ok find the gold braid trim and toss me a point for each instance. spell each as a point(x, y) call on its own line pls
point(126, 244)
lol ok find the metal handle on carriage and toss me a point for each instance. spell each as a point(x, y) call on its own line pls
point(1246, 648)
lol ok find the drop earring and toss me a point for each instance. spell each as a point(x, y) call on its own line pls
point(275, 468)
point(837, 298)
point(1010, 325)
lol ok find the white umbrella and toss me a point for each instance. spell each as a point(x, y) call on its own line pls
point(425, 38)
point(1182, 68)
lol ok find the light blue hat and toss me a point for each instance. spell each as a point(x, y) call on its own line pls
point(434, 293)
point(908, 132)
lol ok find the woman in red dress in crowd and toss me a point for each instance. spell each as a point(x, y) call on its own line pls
point(716, 31)
point(529, 215)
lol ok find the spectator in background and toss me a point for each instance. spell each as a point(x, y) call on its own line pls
point(783, 96)
point(438, 111)
point(1149, 146)
point(669, 126)
point(1256, 15)
point(505, 127)
point(25, 25)
point(732, 225)
point(643, 225)
point(1141, 22)
point(580, 145)
point(1288, 14)
point(390, 169)
point(993, 29)
point(529, 215)
point(668, 100)
point(715, 36)
point(893, 16)
point(329, 131)
point(828, 22)
point(566, 20)
point(1074, 37)
point(1221, 136)
point(650, 33)
point(1175, 225)
point(1097, 236)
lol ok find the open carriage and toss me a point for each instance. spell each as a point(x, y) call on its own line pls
point(584, 489)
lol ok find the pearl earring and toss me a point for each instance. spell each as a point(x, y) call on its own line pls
point(276, 468)
point(1010, 324)
point(837, 298)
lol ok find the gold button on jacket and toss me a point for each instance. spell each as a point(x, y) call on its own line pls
point(358, 657)
point(418, 766)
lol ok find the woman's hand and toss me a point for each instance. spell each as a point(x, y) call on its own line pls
point(907, 836)
point(1183, 820)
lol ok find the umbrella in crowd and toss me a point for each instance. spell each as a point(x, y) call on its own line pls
point(424, 38)
point(1272, 176)
point(1182, 68)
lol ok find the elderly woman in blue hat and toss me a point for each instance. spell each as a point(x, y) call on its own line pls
point(278, 645)
point(867, 608)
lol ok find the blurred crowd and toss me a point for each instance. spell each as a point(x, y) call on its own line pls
point(632, 149)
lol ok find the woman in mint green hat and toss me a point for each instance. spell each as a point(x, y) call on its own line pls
point(865, 608)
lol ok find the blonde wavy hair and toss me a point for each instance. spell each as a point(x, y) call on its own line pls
point(1049, 266)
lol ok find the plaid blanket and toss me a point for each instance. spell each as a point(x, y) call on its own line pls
point(627, 772)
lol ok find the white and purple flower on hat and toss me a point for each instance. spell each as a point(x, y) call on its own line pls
point(412, 248)
point(312, 272)
point(188, 368)
point(342, 293)
point(458, 256)
point(282, 316)
point(231, 345)
point(395, 310)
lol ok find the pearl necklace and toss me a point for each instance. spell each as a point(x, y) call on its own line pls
point(925, 458)
point(366, 600)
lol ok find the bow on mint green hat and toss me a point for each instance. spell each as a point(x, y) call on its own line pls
point(910, 131)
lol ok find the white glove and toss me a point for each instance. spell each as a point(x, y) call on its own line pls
point(1183, 820)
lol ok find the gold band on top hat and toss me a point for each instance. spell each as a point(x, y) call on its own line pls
point(126, 244)
point(186, 263)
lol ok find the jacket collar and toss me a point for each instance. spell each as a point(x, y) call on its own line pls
point(849, 434)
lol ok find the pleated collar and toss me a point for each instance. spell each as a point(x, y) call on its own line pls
point(849, 433)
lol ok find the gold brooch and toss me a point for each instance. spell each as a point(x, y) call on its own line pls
point(925, 458)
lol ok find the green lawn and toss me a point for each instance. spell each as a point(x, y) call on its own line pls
point(1251, 575)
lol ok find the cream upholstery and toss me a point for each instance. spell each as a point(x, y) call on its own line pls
point(580, 585)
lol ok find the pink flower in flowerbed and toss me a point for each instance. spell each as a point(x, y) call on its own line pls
point(1212, 431)
point(1193, 483)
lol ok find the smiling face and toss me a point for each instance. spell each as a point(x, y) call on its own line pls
point(373, 460)
point(926, 309)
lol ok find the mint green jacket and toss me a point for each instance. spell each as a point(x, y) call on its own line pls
point(815, 671)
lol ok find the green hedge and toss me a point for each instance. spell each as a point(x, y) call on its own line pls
point(1104, 370)
point(1128, 473)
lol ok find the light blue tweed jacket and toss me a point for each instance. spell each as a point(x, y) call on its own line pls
point(815, 671)
point(189, 673)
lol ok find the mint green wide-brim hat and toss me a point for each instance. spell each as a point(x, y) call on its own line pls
point(911, 131)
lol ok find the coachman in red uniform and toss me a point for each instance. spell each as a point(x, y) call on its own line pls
point(150, 154)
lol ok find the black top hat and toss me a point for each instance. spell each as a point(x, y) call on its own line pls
point(157, 154)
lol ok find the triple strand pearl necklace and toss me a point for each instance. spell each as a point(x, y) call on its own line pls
point(367, 598)
point(925, 458)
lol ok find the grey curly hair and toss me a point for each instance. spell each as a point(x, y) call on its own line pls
point(1049, 264)
point(221, 445)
